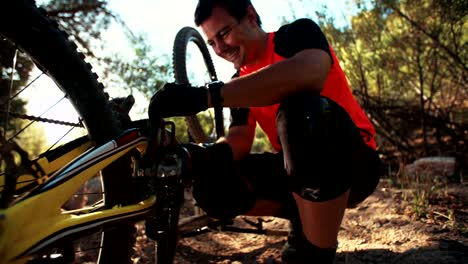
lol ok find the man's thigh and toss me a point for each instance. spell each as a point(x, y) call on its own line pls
point(368, 168)
point(265, 175)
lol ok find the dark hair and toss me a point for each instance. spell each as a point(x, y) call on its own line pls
point(236, 8)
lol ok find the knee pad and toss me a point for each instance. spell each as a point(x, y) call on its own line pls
point(317, 137)
point(367, 176)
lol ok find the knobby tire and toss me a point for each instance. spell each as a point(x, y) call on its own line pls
point(179, 57)
point(57, 56)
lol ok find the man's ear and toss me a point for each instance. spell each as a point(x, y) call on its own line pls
point(252, 15)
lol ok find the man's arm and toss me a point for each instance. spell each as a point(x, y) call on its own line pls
point(240, 139)
point(305, 71)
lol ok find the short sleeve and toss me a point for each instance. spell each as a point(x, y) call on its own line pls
point(239, 116)
point(300, 35)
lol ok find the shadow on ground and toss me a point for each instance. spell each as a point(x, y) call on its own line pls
point(446, 252)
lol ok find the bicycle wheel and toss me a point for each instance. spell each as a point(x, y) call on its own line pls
point(40, 38)
point(201, 127)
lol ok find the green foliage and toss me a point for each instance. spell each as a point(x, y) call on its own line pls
point(261, 142)
point(144, 72)
point(181, 129)
point(84, 20)
point(33, 139)
point(206, 119)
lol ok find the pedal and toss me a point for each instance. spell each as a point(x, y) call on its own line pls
point(258, 224)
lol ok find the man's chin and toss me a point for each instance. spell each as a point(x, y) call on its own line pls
point(237, 64)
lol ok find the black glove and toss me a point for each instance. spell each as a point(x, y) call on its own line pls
point(218, 189)
point(178, 100)
point(210, 158)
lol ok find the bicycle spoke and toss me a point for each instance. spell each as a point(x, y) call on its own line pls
point(8, 106)
point(32, 122)
point(56, 55)
point(90, 193)
point(10, 98)
point(26, 87)
point(19, 182)
point(89, 249)
point(56, 142)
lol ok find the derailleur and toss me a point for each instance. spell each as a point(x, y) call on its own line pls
point(15, 162)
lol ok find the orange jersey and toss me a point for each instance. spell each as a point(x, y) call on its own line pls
point(336, 86)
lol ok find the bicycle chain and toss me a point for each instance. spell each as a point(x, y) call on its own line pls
point(41, 119)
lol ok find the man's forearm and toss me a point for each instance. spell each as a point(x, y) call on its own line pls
point(305, 71)
point(240, 140)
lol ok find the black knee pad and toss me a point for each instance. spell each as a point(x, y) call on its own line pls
point(317, 137)
point(369, 169)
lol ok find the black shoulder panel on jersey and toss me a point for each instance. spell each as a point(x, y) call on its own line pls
point(239, 116)
point(300, 35)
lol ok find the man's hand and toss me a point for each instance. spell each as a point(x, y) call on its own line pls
point(178, 100)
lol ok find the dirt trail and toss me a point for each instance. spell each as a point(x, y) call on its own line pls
point(382, 229)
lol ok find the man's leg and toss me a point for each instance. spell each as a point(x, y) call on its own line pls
point(224, 188)
point(266, 177)
point(318, 139)
point(322, 219)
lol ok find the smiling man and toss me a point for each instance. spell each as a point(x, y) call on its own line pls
point(290, 83)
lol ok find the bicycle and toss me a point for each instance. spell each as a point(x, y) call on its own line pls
point(142, 168)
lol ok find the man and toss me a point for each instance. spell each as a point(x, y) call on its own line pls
point(291, 84)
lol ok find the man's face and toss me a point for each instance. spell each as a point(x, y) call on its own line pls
point(228, 37)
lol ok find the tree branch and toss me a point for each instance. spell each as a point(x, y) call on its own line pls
point(435, 39)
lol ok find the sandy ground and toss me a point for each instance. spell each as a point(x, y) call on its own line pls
point(382, 229)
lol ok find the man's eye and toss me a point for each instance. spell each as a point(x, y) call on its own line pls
point(224, 33)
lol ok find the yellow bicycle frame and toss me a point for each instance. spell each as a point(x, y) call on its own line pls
point(37, 220)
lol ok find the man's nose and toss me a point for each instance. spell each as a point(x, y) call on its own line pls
point(220, 47)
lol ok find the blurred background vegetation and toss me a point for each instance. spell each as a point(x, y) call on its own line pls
point(406, 62)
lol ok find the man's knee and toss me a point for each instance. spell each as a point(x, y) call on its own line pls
point(314, 119)
point(367, 177)
point(315, 134)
